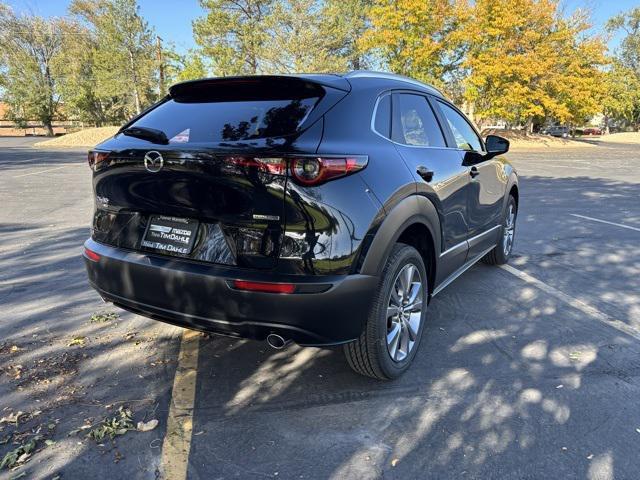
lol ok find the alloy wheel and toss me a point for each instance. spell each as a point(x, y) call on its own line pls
point(509, 230)
point(404, 312)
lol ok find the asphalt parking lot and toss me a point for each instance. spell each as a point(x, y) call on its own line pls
point(529, 371)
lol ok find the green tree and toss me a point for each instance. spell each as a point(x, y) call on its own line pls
point(621, 95)
point(78, 67)
point(624, 79)
point(296, 41)
point(343, 23)
point(30, 48)
point(181, 68)
point(124, 57)
point(232, 34)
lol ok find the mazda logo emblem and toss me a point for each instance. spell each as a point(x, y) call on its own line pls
point(153, 161)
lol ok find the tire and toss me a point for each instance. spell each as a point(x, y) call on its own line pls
point(370, 354)
point(501, 253)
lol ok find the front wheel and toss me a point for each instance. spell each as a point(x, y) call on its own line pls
point(501, 253)
point(391, 336)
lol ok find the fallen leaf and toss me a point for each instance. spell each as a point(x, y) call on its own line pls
point(147, 426)
point(13, 418)
point(14, 348)
point(77, 341)
point(394, 462)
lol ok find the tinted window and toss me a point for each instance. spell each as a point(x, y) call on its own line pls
point(463, 133)
point(186, 122)
point(382, 122)
point(414, 123)
point(232, 109)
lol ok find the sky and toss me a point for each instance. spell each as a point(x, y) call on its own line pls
point(172, 19)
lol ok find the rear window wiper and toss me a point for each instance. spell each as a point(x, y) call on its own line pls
point(146, 133)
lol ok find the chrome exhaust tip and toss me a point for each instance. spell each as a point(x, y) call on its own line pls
point(277, 342)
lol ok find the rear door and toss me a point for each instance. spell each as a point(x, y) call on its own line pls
point(420, 140)
point(216, 188)
point(487, 185)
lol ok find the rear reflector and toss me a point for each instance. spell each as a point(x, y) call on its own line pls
point(91, 255)
point(264, 287)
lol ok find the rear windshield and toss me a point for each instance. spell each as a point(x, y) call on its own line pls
point(233, 110)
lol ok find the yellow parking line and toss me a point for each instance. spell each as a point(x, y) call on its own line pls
point(177, 441)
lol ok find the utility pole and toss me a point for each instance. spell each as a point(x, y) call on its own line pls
point(160, 64)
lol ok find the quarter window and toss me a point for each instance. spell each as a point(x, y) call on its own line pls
point(414, 123)
point(382, 122)
point(465, 136)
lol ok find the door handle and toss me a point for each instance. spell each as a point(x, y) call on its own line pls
point(425, 173)
point(474, 172)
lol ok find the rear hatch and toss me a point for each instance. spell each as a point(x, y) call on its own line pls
point(202, 174)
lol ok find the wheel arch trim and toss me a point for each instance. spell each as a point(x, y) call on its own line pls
point(411, 210)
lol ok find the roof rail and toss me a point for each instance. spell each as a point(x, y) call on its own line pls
point(392, 76)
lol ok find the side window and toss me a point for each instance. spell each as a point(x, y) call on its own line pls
point(382, 122)
point(414, 123)
point(465, 136)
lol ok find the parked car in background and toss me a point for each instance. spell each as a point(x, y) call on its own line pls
point(557, 131)
point(592, 131)
point(319, 209)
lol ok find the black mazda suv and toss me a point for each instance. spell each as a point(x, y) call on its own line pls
point(319, 209)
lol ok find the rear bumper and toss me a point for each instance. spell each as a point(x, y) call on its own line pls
point(198, 296)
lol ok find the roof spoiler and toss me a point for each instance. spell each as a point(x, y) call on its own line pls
point(288, 84)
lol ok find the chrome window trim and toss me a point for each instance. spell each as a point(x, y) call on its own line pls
point(373, 122)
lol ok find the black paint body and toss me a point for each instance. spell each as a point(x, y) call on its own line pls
point(331, 239)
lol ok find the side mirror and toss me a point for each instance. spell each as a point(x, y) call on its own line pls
point(496, 145)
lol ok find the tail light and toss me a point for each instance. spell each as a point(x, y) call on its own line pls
point(274, 166)
point(311, 171)
point(95, 158)
point(305, 170)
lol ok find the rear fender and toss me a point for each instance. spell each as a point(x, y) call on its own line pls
point(413, 209)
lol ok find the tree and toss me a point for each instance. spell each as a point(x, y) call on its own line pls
point(343, 23)
point(296, 40)
point(30, 47)
point(527, 62)
point(125, 66)
point(629, 23)
point(420, 39)
point(232, 34)
point(623, 100)
point(78, 67)
point(621, 95)
point(181, 68)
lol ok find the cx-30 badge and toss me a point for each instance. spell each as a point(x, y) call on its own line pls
point(153, 161)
